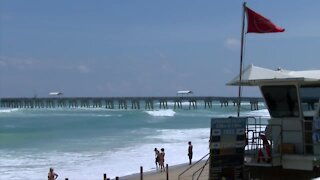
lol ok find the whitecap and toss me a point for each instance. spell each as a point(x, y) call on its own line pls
point(160, 113)
point(258, 113)
point(8, 110)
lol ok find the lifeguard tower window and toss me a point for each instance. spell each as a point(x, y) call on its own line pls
point(310, 96)
point(282, 101)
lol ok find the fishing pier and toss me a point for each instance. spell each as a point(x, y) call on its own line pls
point(189, 102)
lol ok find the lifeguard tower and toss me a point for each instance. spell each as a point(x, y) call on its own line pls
point(293, 130)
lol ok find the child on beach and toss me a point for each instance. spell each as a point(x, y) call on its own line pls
point(52, 175)
point(161, 160)
point(156, 153)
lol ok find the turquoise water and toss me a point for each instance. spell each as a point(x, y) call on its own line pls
point(85, 143)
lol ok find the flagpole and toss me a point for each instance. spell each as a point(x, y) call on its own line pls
point(241, 57)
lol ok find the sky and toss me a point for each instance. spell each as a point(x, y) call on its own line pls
point(112, 48)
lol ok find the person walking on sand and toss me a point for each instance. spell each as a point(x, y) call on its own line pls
point(52, 175)
point(190, 152)
point(156, 154)
point(161, 160)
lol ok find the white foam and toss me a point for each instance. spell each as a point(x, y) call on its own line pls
point(180, 135)
point(172, 140)
point(118, 162)
point(258, 113)
point(8, 110)
point(160, 113)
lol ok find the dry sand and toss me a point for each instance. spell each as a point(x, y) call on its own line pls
point(174, 172)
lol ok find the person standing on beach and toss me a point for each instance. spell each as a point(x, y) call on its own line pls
point(52, 175)
point(161, 160)
point(156, 153)
point(190, 152)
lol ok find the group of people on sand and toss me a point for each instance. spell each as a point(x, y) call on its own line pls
point(159, 160)
point(159, 156)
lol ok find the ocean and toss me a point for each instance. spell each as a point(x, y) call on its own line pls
point(85, 143)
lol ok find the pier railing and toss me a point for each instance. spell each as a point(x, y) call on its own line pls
point(190, 102)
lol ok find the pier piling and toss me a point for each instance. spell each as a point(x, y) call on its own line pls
point(141, 173)
point(254, 105)
point(135, 104)
point(177, 104)
point(163, 103)
point(109, 104)
point(193, 104)
point(167, 171)
point(148, 104)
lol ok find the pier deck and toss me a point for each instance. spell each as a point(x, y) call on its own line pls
point(126, 102)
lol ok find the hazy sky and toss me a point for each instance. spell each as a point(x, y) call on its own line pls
point(146, 47)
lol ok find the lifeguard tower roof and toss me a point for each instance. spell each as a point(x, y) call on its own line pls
point(255, 76)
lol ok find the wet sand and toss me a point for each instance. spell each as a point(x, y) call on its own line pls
point(174, 172)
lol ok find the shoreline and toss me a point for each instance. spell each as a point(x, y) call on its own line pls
point(173, 171)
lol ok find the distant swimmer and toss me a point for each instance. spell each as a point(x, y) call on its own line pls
point(52, 175)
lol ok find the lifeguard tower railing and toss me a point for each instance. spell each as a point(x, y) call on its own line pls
point(256, 128)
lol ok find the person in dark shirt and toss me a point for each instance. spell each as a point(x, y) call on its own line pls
point(190, 152)
point(156, 154)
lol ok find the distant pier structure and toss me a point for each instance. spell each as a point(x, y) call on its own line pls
point(188, 102)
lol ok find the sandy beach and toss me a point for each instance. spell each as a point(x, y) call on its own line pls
point(174, 172)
